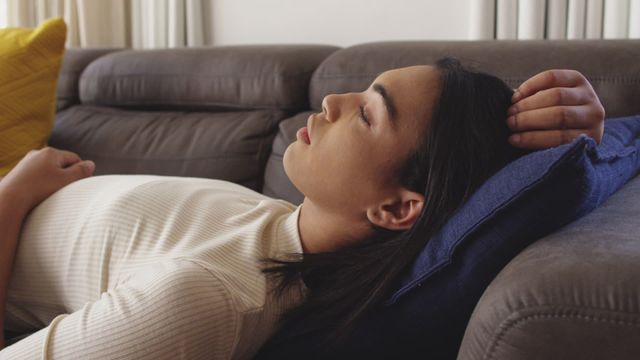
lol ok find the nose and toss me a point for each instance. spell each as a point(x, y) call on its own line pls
point(331, 107)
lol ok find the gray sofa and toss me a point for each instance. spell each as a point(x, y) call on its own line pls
point(230, 112)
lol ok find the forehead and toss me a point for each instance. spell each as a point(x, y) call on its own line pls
point(418, 75)
point(413, 89)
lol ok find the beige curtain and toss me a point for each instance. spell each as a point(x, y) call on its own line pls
point(3, 13)
point(120, 23)
point(555, 19)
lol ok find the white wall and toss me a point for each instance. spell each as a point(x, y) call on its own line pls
point(337, 22)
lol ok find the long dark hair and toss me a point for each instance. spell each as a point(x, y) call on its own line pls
point(464, 145)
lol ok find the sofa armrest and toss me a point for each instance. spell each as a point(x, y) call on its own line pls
point(574, 294)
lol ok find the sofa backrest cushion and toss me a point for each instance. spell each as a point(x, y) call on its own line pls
point(276, 182)
point(75, 61)
point(227, 77)
point(529, 198)
point(611, 65)
point(232, 146)
point(206, 112)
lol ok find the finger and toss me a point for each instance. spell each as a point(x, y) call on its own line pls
point(551, 118)
point(551, 97)
point(548, 79)
point(67, 158)
point(544, 139)
point(80, 170)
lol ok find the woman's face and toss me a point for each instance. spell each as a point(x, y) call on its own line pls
point(351, 164)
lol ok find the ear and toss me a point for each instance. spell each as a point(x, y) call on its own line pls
point(397, 213)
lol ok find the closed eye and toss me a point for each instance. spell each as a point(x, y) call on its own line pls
point(363, 116)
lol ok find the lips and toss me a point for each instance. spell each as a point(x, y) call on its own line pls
point(309, 126)
point(303, 135)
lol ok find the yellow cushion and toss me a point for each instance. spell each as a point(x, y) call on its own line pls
point(29, 65)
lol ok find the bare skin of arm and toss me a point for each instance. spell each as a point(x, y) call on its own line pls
point(10, 223)
point(36, 177)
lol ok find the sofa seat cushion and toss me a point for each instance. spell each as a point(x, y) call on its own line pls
point(231, 146)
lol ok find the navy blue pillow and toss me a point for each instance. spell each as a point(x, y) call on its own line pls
point(526, 200)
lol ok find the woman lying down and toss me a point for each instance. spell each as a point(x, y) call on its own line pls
point(152, 267)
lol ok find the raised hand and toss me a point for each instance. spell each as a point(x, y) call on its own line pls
point(41, 173)
point(552, 108)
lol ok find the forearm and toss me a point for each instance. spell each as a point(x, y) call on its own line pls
point(38, 175)
point(11, 218)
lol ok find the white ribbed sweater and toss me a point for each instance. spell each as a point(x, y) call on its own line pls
point(149, 267)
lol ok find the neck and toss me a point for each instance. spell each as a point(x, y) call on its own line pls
point(326, 231)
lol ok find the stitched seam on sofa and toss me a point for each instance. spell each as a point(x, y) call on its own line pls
point(155, 76)
point(157, 101)
point(266, 115)
point(234, 106)
point(237, 155)
point(509, 324)
point(91, 109)
point(285, 105)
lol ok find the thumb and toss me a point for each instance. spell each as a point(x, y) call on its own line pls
point(81, 169)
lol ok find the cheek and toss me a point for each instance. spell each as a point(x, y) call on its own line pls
point(343, 159)
point(348, 171)
point(312, 171)
point(342, 173)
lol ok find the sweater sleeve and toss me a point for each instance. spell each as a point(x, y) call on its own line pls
point(175, 309)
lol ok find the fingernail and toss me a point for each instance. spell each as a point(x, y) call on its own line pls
point(516, 96)
point(511, 122)
point(515, 138)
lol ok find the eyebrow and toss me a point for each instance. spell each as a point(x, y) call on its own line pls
point(388, 102)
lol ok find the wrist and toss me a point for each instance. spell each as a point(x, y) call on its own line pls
point(12, 199)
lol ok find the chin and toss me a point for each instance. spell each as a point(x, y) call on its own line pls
point(286, 160)
point(289, 167)
point(291, 170)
